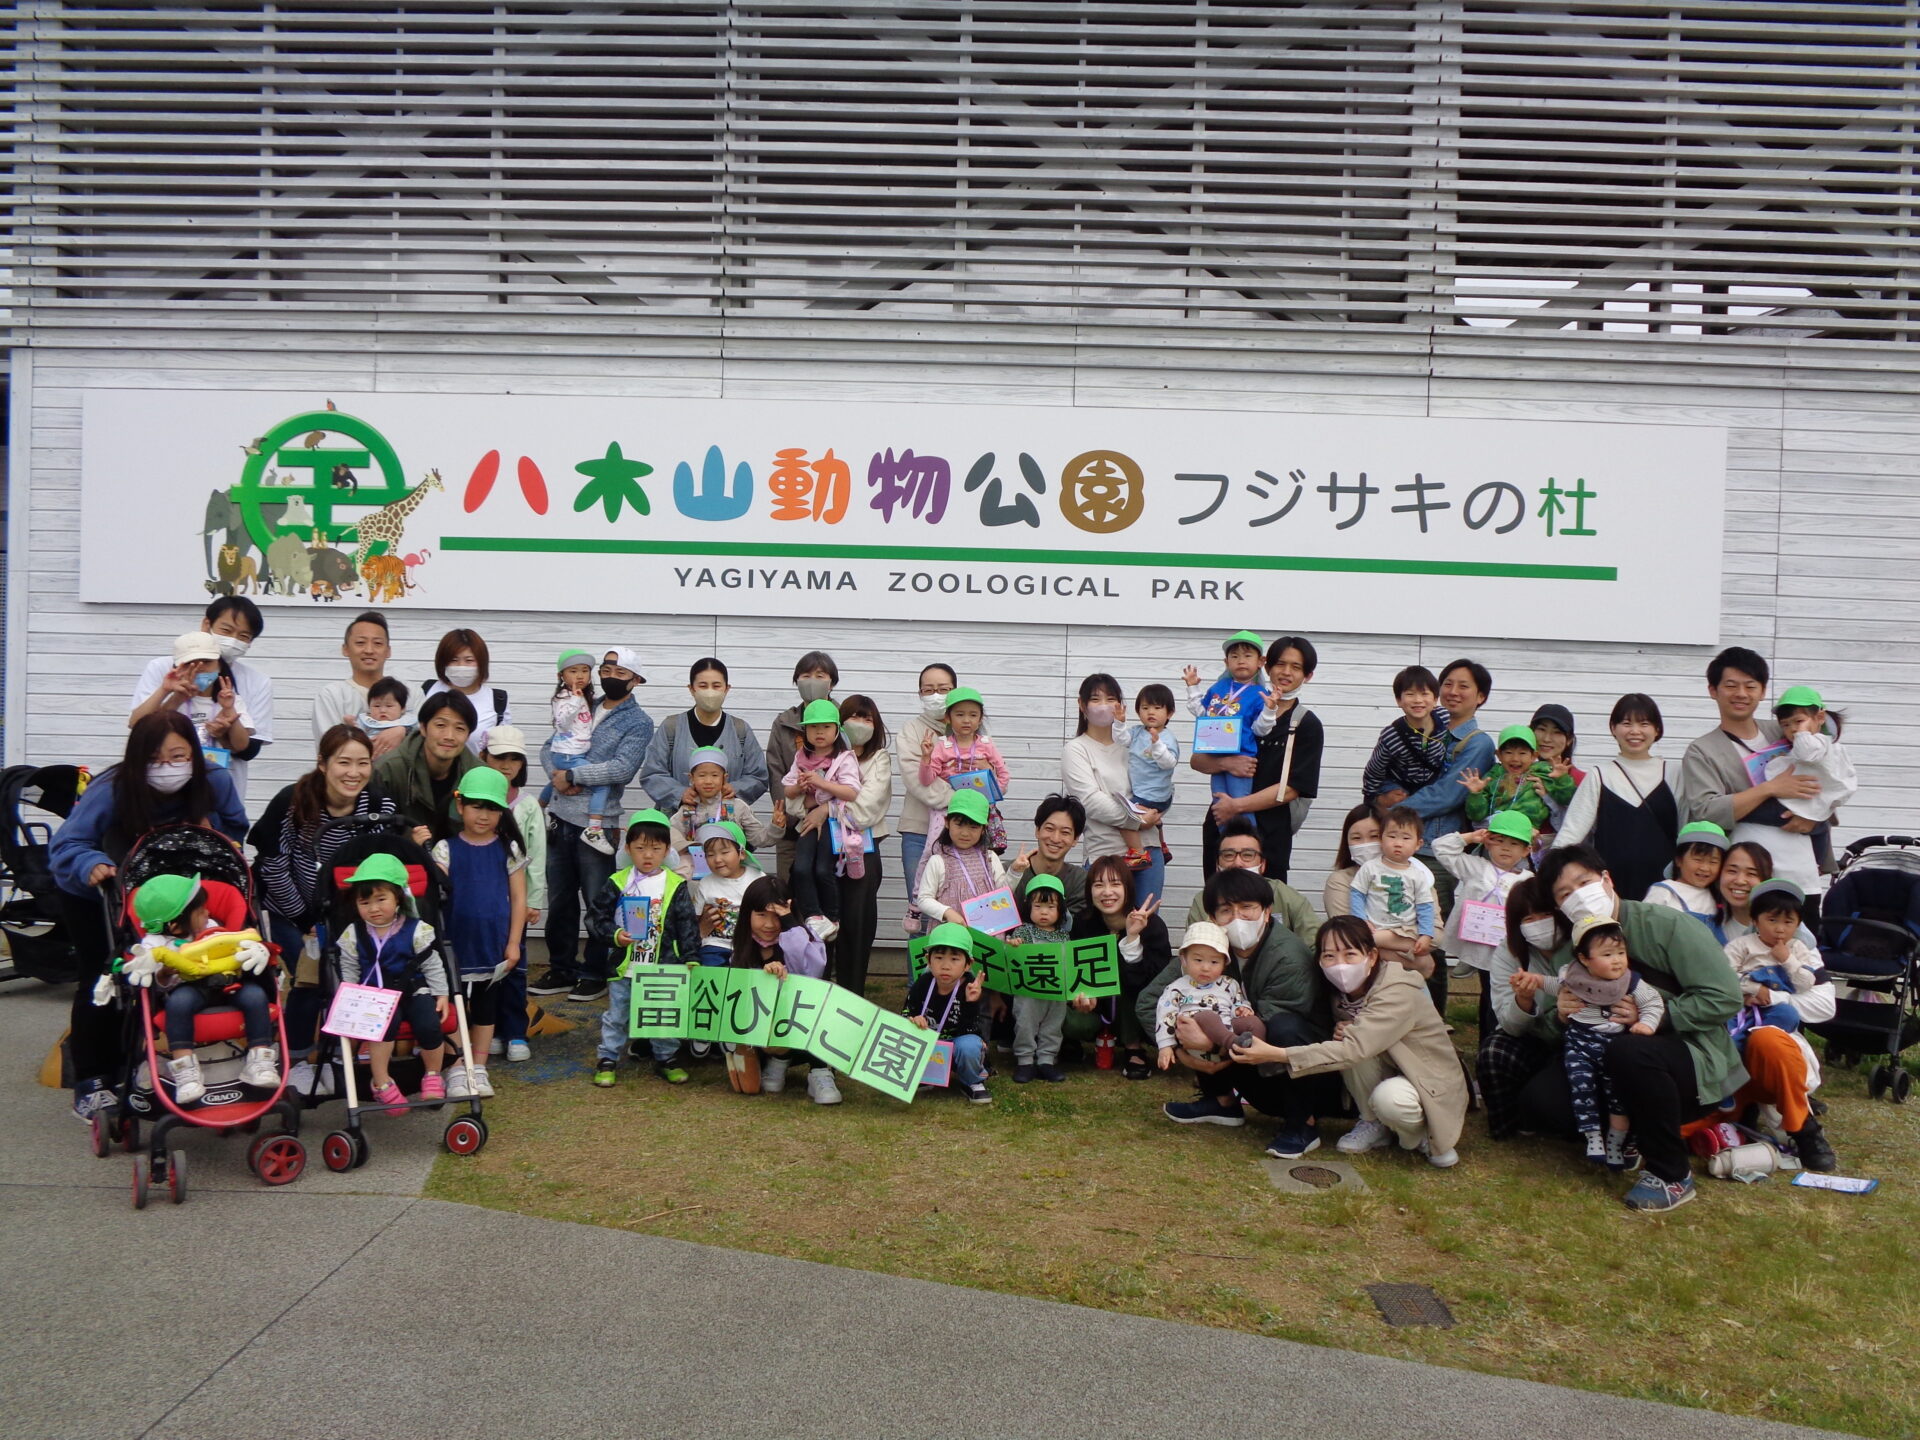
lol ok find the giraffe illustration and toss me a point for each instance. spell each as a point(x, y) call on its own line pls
point(388, 521)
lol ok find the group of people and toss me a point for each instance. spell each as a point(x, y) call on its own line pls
point(1636, 928)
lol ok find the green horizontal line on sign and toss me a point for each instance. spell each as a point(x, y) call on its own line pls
point(961, 555)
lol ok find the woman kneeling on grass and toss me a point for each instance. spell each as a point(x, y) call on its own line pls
point(1390, 1046)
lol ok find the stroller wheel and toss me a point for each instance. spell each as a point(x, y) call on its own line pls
point(277, 1159)
point(140, 1183)
point(130, 1134)
point(338, 1152)
point(100, 1135)
point(1877, 1082)
point(177, 1177)
point(1902, 1084)
point(465, 1135)
point(361, 1150)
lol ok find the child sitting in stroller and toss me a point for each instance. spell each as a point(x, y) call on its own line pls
point(390, 948)
point(173, 910)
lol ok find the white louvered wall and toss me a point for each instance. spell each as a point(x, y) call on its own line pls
point(1690, 213)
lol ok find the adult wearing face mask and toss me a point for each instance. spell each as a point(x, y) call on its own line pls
point(1390, 1046)
point(665, 773)
point(1286, 990)
point(1093, 769)
point(462, 664)
point(576, 871)
point(232, 623)
point(162, 779)
point(814, 676)
point(1241, 849)
point(866, 735)
point(929, 718)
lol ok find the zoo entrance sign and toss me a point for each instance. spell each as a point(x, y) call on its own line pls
point(1047, 514)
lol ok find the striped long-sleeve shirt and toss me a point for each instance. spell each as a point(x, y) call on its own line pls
point(1404, 759)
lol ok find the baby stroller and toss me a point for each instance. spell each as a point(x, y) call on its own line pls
point(1869, 935)
point(348, 1149)
point(146, 1092)
point(34, 799)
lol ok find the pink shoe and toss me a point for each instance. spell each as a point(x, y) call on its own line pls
point(389, 1098)
point(432, 1087)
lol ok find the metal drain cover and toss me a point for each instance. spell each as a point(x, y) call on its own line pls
point(1311, 1177)
point(1411, 1305)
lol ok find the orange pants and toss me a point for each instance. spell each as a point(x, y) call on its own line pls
point(1776, 1076)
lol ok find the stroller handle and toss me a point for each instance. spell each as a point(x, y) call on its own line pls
point(1874, 842)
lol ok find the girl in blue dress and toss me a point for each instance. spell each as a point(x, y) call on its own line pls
point(486, 920)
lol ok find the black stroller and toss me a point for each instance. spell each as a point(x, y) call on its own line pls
point(1869, 937)
point(34, 799)
point(348, 1149)
point(146, 1090)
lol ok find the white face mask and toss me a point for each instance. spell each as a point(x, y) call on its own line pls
point(170, 779)
point(813, 687)
point(461, 676)
point(1590, 899)
point(1364, 850)
point(1539, 933)
point(933, 706)
point(858, 732)
point(1346, 978)
point(1244, 934)
point(1102, 713)
point(232, 647)
point(709, 702)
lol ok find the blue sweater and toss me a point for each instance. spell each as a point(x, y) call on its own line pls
point(80, 844)
point(620, 743)
point(1443, 804)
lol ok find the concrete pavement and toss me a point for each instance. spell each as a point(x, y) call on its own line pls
point(346, 1306)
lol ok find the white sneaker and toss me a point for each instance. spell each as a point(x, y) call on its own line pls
point(262, 1070)
point(184, 1071)
point(496, 1046)
point(306, 1078)
point(823, 929)
point(518, 1050)
point(482, 1086)
point(820, 1087)
point(1364, 1136)
point(773, 1075)
point(1445, 1160)
point(457, 1086)
point(596, 838)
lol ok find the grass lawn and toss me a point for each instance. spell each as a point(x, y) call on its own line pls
point(1764, 1300)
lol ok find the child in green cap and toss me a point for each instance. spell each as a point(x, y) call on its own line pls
point(957, 867)
point(1698, 852)
point(825, 775)
point(1038, 1025)
point(717, 895)
point(1813, 734)
point(946, 1000)
point(573, 706)
point(1523, 782)
point(485, 862)
point(1475, 929)
point(962, 750)
point(707, 779)
point(669, 934)
point(387, 946)
point(1238, 692)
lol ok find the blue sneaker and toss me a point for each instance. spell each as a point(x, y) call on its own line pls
point(90, 1097)
point(1205, 1110)
point(1652, 1194)
point(1290, 1142)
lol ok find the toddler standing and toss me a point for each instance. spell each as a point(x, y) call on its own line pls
point(671, 936)
point(1038, 1024)
point(485, 863)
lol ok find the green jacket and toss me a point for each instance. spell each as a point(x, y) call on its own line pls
point(1280, 975)
point(403, 775)
point(1677, 955)
point(1525, 798)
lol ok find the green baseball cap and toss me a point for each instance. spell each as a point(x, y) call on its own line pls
point(711, 755)
point(820, 712)
point(1523, 733)
point(163, 898)
point(577, 656)
point(1046, 882)
point(968, 805)
point(949, 936)
point(1244, 637)
point(387, 869)
point(964, 692)
point(1702, 832)
point(484, 784)
point(1512, 824)
point(649, 817)
point(1799, 697)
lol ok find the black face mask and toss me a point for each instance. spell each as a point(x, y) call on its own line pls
point(614, 688)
